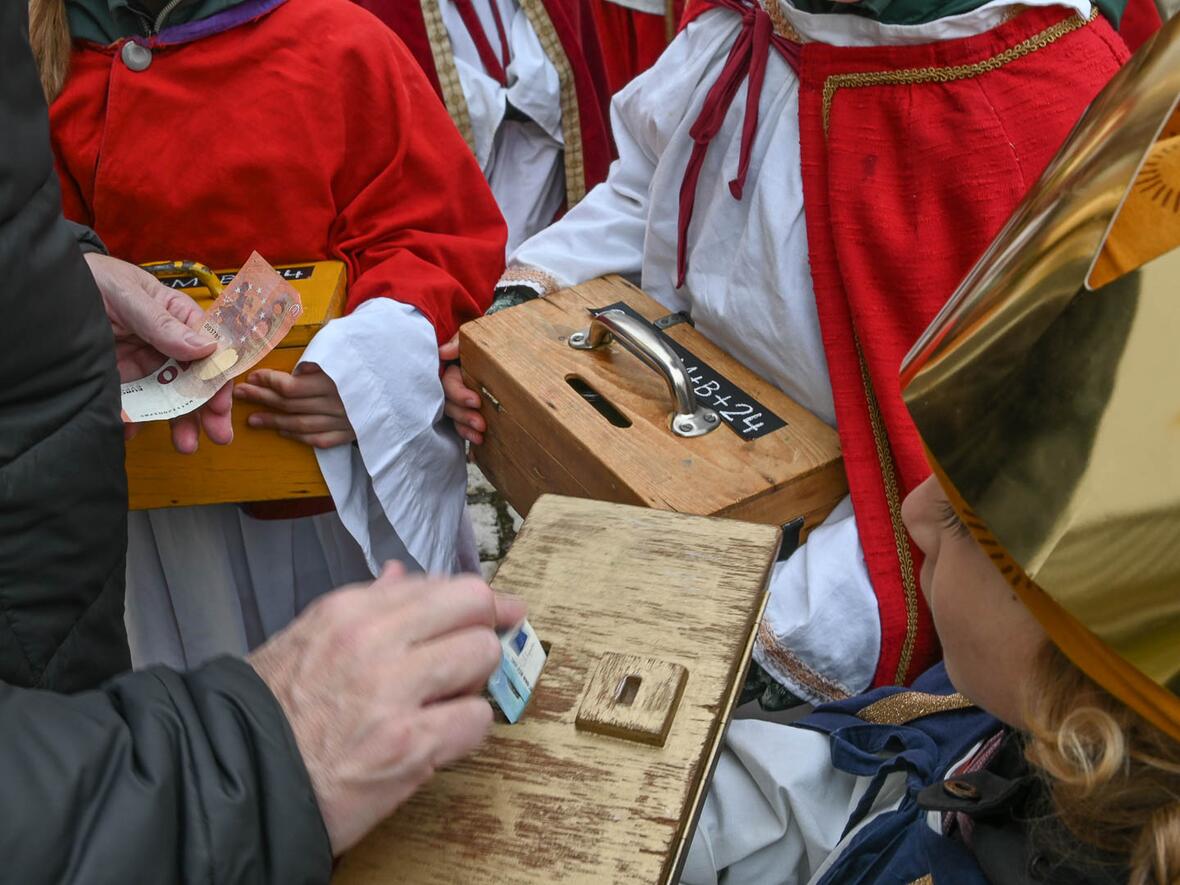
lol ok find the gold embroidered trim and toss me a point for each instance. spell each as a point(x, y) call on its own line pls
point(906, 706)
point(925, 880)
point(778, 18)
point(571, 116)
point(893, 499)
point(525, 274)
point(935, 74)
point(448, 74)
point(798, 672)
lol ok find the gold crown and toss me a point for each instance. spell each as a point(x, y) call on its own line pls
point(1047, 391)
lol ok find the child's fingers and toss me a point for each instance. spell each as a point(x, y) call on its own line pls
point(307, 384)
point(319, 405)
point(472, 436)
point(327, 440)
point(298, 423)
point(450, 350)
point(456, 391)
point(465, 417)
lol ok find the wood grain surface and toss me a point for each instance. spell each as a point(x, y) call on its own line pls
point(543, 801)
point(544, 437)
point(259, 465)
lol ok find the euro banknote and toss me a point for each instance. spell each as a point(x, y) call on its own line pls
point(250, 317)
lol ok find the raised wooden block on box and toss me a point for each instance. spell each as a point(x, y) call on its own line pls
point(597, 423)
point(664, 599)
point(259, 465)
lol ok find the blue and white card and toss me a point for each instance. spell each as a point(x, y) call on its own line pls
point(521, 660)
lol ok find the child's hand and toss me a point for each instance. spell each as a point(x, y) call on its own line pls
point(462, 403)
point(304, 406)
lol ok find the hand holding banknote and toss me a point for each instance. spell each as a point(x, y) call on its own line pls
point(252, 315)
point(153, 323)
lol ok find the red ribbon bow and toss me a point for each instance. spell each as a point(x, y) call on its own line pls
point(747, 60)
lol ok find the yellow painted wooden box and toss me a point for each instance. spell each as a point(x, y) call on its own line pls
point(633, 604)
point(599, 422)
point(259, 465)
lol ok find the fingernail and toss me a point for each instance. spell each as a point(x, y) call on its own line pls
point(195, 339)
point(472, 402)
point(254, 421)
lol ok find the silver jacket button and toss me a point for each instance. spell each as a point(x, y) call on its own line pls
point(136, 56)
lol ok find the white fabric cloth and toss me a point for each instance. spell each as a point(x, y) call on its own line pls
point(748, 287)
point(777, 809)
point(523, 161)
point(205, 581)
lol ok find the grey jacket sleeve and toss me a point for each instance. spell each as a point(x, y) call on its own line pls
point(157, 777)
point(88, 240)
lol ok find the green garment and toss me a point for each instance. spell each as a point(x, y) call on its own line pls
point(105, 21)
point(917, 12)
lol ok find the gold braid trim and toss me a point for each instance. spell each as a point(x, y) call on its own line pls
point(925, 880)
point(571, 115)
point(906, 706)
point(782, 25)
point(789, 663)
point(448, 74)
point(893, 498)
point(935, 74)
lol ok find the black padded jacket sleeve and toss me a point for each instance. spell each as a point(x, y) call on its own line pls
point(157, 777)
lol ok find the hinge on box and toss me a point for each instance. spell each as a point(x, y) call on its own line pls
point(673, 319)
point(491, 399)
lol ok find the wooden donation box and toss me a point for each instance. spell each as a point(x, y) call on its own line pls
point(259, 465)
point(597, 392)
point(649, 618)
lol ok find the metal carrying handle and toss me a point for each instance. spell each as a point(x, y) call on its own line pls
point(207, 278)
point(689, 418)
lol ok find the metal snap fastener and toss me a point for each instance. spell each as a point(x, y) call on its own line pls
point(136, 56)
point(960, 789)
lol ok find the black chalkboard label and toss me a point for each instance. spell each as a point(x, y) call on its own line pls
point(744, 415)
point(303, 272)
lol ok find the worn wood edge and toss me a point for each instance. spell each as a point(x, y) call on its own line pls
point(826, 484)
point(676, 864)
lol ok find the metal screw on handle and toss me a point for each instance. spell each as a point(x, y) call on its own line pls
point(689, 419)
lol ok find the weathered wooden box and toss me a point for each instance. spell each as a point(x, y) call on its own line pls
point(259, 465)
point(630, 601)
point(598, 423)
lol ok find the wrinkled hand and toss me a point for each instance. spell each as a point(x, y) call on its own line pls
point(304, 406)
point(151, 323)
point(381, 685)
point(462, 403)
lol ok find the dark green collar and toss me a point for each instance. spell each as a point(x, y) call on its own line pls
point(105, 21)
point(918, 12)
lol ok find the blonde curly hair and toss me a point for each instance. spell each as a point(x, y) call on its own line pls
point(1114, 779)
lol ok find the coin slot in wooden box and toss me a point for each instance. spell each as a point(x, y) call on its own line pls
point(597, 401)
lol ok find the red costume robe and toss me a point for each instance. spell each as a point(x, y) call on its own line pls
point(913, 157)
point(633, 40)
point(567, 32)
point(301, 129)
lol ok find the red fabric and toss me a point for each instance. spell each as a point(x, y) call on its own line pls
point(902, 195)
point(631, 40)
point(575, 30)
point(746, 63)
point(495, 65)
point(257, 138)
point(1141, 19)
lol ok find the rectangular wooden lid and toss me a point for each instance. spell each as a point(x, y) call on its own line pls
point(544, 801)
point(321, 285)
